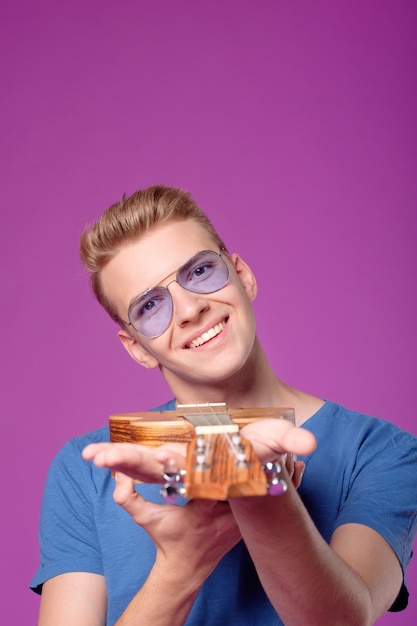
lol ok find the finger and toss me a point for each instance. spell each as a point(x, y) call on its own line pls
point(299, 467)
point(124, 492)
point(130, 457)
point(289, 460)
point(297, 440)
point(125, 495)
point(174, 454)
point(136, 461)
point(278, 436)
point(217, 513)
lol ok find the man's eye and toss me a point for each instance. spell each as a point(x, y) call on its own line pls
point(199, 271)
point(149, 305)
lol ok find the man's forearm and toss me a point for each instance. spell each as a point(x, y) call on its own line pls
point(165, 599)
point(303, 577)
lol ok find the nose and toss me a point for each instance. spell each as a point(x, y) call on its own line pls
point(188, 305)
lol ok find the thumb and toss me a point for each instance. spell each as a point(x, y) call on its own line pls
point(124, 493)
point(126, 496)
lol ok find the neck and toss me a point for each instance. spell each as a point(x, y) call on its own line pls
point(254, 385)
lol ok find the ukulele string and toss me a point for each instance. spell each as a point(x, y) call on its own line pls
point(208, 442)
point(208, 414)
point(236, 448)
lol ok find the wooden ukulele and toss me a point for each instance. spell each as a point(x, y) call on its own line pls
point(220, 464)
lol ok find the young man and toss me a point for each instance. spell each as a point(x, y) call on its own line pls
point(333, 549)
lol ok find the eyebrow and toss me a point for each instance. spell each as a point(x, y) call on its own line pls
point(158, 284)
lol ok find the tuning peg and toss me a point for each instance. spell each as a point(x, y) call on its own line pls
point(239, 451)
point(276, 484)
point(172, 488)
point(200, 453)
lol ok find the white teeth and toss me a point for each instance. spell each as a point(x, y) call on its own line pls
point(212, 332)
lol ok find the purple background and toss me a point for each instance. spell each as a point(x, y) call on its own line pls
point(294, 126)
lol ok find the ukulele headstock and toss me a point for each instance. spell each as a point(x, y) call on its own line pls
point(220, 463)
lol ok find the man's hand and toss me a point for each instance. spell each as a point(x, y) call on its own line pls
point(193, 537)
point(271, 438)
point(274, 439)
point(143, 463)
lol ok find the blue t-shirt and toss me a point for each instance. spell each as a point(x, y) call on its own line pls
point(364, 471)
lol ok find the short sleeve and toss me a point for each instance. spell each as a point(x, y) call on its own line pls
point(383, 489)
point(67, 535)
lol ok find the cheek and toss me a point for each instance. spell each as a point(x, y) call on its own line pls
point(159, 347)
point(245, 289)
point(243, 301)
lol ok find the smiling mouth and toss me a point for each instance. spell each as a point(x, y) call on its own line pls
point(209, 334)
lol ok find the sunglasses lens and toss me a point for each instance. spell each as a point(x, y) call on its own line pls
point(151, 313)
point(206, 272)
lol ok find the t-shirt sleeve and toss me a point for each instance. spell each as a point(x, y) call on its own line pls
point(383, 489)
point(383, 493)
point(67, 535)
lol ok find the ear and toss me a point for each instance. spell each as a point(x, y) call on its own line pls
point(136, 351)
point(246, 276)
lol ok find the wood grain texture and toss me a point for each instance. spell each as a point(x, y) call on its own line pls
point(154, 428)
point(221, 476)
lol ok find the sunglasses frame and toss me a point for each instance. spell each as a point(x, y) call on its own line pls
point(165, 287)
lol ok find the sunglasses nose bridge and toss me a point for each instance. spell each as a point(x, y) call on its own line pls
point(184, 299)
point(174, 280)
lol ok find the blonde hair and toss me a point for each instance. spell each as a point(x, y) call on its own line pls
point(125, 221)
